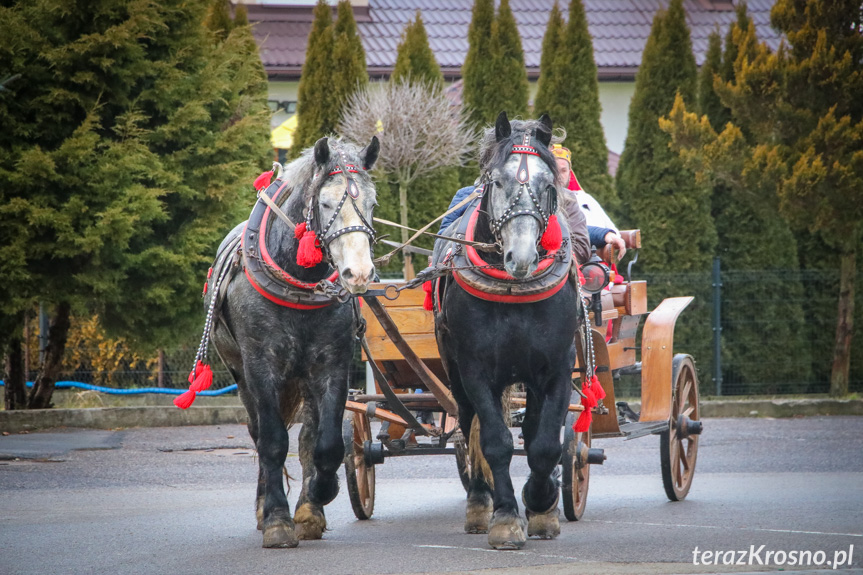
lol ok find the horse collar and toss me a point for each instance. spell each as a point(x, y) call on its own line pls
point(268, 278)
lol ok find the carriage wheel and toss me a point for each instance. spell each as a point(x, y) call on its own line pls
point(462, 460)
point(678, 446)
point(576, 471)
point(357, 430)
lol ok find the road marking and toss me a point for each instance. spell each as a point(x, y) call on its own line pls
point(720, 527)
point(527, 553)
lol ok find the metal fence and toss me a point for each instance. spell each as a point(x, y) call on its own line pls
point(776, 333)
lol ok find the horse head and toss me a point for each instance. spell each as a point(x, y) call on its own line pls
point(520, 174)
point(340, 209)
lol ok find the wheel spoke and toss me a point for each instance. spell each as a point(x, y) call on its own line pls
point(681, 454)
point(688, 411)
point(684, 395)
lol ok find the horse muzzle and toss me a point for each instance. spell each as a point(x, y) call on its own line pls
point(357, 279)
point(521, 262)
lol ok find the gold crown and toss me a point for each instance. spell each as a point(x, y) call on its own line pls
point(561, 152)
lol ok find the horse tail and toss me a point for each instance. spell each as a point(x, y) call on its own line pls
point(478, 463)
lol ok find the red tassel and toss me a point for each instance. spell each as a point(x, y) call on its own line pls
point(596, 387)
point(584, 420)
point(263, 180)
point(309, 254)
point(552, 238)
point(204, 379)
point(300, 230)
point(428, 304)
point(205, 289)
point(185, 400)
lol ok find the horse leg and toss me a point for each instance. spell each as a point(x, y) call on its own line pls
point(309, 518)
point(479, 496)
point(542, 443)
point(323, 450)
point(272, 445)
point(507, 528)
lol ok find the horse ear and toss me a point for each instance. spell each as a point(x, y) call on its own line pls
point(322, 152)
point(370, 153)
point(544, 135)
point(502, 127)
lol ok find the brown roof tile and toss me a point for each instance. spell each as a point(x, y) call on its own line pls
point(619, 29)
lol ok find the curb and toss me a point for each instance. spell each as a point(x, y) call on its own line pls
point(159, 416)
point(116, 417)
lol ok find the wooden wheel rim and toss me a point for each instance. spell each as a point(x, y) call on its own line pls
point(683, 451)
point(580, 477)
point(365, 474)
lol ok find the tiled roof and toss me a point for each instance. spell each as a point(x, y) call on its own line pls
point(619, 29)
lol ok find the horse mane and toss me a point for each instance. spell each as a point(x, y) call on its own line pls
point(493, 154)
point(300, 172)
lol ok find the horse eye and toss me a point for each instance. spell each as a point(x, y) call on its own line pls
point(326, 206)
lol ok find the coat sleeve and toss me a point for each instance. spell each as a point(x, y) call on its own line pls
point(450, 218)
point(577, 231)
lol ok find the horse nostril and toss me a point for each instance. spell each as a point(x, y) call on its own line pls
point(347, 273)
point(508, 257)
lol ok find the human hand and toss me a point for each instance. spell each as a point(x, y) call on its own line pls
point(612, 238)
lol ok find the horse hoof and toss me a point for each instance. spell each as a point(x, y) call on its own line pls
point(280, 536)
point(477, 517)
point(310, 522)
point(507, 533)
point(259, 512)
point(543, 525)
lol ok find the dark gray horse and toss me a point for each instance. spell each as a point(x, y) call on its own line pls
point(284, 347)
point(489, 342)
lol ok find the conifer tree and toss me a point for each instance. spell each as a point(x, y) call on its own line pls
point(797, 133)
point(128, 152)
point(660, 194)
point(509, 88)
point(219, 18)
point(415, 60)
point(477, 69)
point(241, 15)
point(316, 103)
point(753, 239)
point(546, 85)
point(708, 100)
point(348, 72)
point(429, 194)
point(569, 92)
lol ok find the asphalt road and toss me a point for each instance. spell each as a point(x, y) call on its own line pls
point(180, 501)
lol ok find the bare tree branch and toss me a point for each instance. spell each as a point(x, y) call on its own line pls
point(418, 127)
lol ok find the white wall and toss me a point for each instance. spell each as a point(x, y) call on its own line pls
point(614, 98)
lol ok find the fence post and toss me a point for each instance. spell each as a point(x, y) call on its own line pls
point(717, 326)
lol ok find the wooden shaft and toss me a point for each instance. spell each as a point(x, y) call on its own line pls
point(429, 379)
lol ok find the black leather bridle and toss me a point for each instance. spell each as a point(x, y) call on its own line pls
point(522, 175)
point(352, 192)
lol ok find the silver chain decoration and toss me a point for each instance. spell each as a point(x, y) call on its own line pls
point(208, 323)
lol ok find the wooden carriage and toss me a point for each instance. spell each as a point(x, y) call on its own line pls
point(410, 378)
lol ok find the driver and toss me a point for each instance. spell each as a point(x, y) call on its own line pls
point(602, 229)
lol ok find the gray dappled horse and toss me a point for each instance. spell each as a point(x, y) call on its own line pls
point(489, 345)
point(283, 353)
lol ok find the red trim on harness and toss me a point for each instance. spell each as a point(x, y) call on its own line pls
point(476, 260)
point(508, 298)
point(351, 168)
point(280, 301)
point(265, 254)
